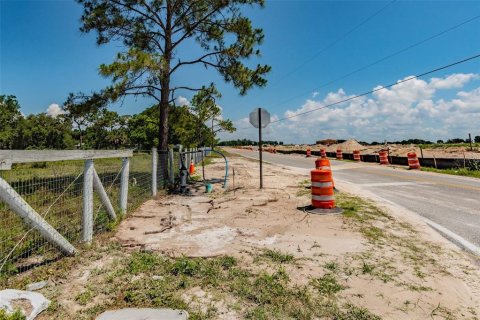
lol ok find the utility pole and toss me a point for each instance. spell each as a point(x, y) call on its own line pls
point(470, 140)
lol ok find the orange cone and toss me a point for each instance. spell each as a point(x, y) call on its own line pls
point(192, 168)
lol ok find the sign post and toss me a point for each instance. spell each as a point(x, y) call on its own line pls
point(260, 145)
point(260, 118)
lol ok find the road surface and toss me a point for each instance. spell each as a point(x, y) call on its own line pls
point(451, 203)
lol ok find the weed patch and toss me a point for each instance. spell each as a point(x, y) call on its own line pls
point(277, 256)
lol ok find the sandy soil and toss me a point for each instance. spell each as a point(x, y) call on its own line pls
point(418, 274)
point(395, 150)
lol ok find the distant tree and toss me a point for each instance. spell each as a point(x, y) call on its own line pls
point(153, 33)
point(456, 140)
point(82, 109)
point(44, 132)
point(107, 129)
point(204, 106)
point(477, 139)
point(143, 129)
point(9, 118)
point(440, 141)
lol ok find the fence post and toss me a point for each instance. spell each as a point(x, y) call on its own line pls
point(124, 185)
point(97, 186)
point(87, 216)
point(170, 166)
point(32, 218)
point(154, 171)
point(180, 157)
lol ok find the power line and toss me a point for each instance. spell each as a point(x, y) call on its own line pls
point(333, 43)
point(384, 58)
point(378, 89)
point(384, 87)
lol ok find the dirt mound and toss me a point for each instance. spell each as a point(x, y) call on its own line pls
point(347, 146)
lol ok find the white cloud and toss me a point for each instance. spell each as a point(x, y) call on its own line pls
point(182, 101)
point(54, 110)
point(456, 80)
point(412, 109)
point(315, 93)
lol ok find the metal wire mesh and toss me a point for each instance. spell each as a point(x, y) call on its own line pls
point(140, 182)
point(55, 191)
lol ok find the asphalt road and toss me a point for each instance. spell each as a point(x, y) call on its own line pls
point(452, 202)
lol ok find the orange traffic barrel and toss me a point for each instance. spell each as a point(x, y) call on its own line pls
point(413, 162)
point(323, 164)
point(383, 155)
point(322, 189)
point(192, 168)
point(356, 155)
point(339, 154)
point(309, 153)
point(323, 153)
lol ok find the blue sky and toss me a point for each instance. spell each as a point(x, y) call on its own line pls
point(43, 57)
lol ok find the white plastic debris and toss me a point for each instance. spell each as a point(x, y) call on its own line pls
point(144, 314)
point(30, 303)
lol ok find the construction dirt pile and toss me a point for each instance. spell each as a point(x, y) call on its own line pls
point(347, 146)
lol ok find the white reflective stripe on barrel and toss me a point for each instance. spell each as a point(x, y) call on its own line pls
point(325, 168)
point(323, 198)
point(322, 184)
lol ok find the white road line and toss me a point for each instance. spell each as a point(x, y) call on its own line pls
point(455, 238)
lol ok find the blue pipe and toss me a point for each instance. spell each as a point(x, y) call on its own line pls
point(226, 166)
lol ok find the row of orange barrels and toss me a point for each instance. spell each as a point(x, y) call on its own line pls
point(413, 162)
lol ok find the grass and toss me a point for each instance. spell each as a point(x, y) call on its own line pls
point(17, 315)
point(277, 256)
point(381, 230)
point(147, 279)
point(303, 188)
point(332, 266)
point(475, 145)
point(327, 284)
point(457, 172)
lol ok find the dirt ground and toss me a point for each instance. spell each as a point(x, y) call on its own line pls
point(249, 253)
point(394, 149)
point(391, 264)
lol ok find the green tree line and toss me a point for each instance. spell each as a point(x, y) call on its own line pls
point(247, 142)
point(90, 125)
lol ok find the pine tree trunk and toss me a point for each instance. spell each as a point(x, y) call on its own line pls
point(164, 95)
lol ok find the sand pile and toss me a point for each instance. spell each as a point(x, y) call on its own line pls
point(347, 146)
